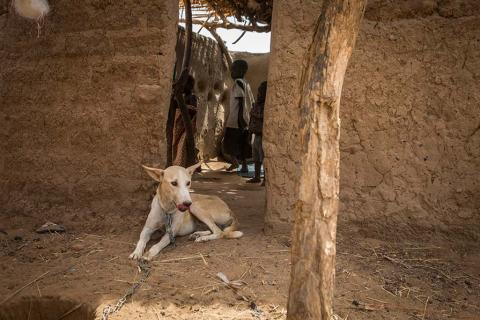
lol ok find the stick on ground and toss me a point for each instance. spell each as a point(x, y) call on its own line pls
point(25, 286)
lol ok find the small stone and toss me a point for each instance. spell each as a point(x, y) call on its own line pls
point(49, 227)
point(77, 247)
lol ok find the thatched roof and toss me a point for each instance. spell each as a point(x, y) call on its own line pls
point(255, 14)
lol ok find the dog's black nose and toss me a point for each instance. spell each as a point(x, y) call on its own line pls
point(187, 203)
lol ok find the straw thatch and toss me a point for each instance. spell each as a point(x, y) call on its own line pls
point(255, 15)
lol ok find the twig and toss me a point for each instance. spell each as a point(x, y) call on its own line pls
point(435, 269)
point(422, 248)
point(156, 314)
point(387, 291)
point(25, 286)
point(114, 258)
point(204, 261)
point(203, 287)
point(229, 25)
point(38, 288)
point(425, 309)
point(124, 281)
point(351, 254)
point(108, 240)
point(66, 314)
point(376, 300)
point(197, 256)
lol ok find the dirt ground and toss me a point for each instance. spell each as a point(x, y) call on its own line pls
point(416, 278)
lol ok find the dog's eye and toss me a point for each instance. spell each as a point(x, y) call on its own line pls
point(174, 183)
point(188, 183)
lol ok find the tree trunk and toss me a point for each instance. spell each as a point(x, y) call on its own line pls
point(313, 249)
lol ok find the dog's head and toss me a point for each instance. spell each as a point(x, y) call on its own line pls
point(173, 189)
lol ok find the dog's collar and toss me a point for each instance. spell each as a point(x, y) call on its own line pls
point(169, 222)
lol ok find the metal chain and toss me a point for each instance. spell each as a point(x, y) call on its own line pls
point(169, 230)
point(145, 270)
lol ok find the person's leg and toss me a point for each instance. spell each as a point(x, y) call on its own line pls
point(257, 160)
point(261, 159)
point(229, 147)
point(256, 178)
point(244, 168)
point(245, 149)
point(234, 164)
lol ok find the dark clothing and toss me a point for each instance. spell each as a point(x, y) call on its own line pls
point(179, 143)
point(256, 118)
point(256, 114)
point(257, 149)
point(236, 143)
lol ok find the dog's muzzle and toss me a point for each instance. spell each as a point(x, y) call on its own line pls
point(184, 206)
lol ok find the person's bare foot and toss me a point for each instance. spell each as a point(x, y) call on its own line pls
point(254, 180)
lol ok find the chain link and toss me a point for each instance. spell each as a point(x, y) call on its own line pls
point(145, 270)
point(169, 230)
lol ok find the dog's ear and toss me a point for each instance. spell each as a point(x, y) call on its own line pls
point(156, 174)
point(192, 169)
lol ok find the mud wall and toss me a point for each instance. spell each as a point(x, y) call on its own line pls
point(410, 139)
point(83, 106)
point(210, 70)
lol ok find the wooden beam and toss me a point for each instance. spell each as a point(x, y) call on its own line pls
point(228, 25)
point(314, 235)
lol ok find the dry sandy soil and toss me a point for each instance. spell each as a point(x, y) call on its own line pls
point(415, 278)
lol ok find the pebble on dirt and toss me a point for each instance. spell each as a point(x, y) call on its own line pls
point(49, 227)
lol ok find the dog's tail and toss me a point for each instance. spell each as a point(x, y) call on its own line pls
point(231, 231)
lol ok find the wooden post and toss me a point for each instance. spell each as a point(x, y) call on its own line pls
point(178, 89)
point(314, 234)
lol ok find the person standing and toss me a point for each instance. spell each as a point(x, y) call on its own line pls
point(235, 142)
point(179, 144)
point(256, 129)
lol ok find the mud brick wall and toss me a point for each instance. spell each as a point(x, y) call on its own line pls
point(410, 139)
point(84, 105)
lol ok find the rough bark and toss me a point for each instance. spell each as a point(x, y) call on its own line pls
point(313, 250)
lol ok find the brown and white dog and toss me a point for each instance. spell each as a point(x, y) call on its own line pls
point(173, 198)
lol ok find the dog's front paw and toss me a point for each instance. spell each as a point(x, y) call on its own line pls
point(148, 257)
point(135, 255)
point(193, 236)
